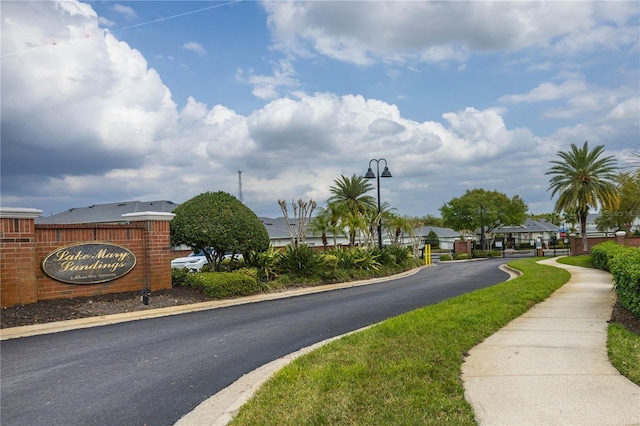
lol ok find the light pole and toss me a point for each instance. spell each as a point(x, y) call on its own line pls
point(370, 175)
point(481, 211)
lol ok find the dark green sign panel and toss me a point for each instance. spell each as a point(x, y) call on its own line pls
point(88, 263)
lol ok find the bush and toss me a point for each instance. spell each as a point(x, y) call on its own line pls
point(330, 261)
point(462, 256)
point(302, 261)
point(218, 222)
point(221, 285)
point(625, 268)
point(401, 254)
point(445, 257)
point(356, 258)
point(624, 264)
point(182, 277)
point(488, 253)
point(267, 263)
point(601, 254)
point(232, 265)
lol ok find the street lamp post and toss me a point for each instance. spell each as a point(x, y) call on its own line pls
point(481, 211)
point(370, 175)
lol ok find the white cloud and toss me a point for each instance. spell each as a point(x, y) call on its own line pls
point(269, 86)
point(194, 47)
point(106, 120)
point(549, 92)
point(627, 110)
point(124, 10)
point(404, 32)
point(104, 22)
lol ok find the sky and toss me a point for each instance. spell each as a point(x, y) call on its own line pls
point(108, 101)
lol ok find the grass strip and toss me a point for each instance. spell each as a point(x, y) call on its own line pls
point(403, 371)
point(582, 260)
point(623, 347)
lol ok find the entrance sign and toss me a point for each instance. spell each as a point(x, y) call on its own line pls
point(88, 263)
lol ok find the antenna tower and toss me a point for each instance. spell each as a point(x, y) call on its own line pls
point(240, 185)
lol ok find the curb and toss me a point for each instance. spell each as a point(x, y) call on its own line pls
point(98, 321)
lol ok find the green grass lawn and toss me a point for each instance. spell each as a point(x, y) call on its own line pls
point(623, 347)
point(583, 260)
point(403, 371)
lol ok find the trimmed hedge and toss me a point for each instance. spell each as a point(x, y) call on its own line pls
point(488, 253)
point(624, 264)
point(220, 285)
point(625, 267)
point(601, 254)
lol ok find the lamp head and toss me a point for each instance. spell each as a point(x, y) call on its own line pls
point(386, 172)
point(369, 174)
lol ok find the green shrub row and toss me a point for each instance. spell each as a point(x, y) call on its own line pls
point(220, 285)
point(624, 264)
point(488, 253)
point(459, 256)
point(625, 268)
point(601, 254)
point(300, 266)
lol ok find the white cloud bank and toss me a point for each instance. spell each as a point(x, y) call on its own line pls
point(85, 120)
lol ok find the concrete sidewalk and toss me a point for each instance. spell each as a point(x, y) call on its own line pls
point(550, 366)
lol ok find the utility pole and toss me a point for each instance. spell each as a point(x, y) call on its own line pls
point(240, 185)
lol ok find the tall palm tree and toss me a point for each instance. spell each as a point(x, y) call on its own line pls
point(349, 194)
point(583, 180)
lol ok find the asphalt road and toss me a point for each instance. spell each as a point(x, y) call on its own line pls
point(154, 371)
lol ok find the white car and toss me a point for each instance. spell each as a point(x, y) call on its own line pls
point(194, 262)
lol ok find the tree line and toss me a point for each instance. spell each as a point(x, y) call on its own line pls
point(582, 179)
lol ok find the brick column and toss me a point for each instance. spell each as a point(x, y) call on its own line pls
point(157, 242)
point(18, 256)
point(620, 237)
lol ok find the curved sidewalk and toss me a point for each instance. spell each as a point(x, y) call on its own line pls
point(550, 366)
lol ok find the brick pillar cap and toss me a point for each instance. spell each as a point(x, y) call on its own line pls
point(19, 213)
point(620, 233)
point(142, 216)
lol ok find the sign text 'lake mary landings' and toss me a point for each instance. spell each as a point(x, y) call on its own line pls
point(88, 263)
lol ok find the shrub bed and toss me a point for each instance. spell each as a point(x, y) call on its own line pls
point(300, 266)
point(624, 264)
point(601, 254)
point(625, 267)
point(220, 285)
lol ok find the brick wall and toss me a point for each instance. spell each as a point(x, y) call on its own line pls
point(17, 256)
point(24, 245)
point(576, 243)
point(461, 247)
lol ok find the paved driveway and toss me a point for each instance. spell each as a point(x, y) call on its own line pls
point(153, 371)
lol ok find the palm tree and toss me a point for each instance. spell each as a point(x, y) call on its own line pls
point(583, 180)
point(349, 194)
point(327, 221)
point(396, 226)
point(633, 166)
point(319, 226)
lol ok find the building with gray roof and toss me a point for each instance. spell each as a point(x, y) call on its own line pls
point(107, 213)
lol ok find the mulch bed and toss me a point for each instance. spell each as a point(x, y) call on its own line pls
point(105, 304)
point(626, 318)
